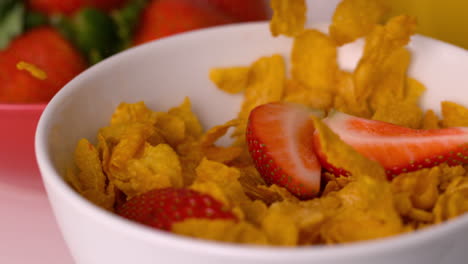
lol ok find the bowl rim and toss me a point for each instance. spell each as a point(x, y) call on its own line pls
point(54, 182)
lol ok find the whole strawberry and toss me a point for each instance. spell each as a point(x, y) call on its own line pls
point(71, 6)
point(47, 50)
point(162, 18)
point(160, 208)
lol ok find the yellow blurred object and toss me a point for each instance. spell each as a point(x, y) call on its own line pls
point(444, 20)
point(34, 70)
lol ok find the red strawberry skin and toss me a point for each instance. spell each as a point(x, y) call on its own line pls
point(398, 149)
point(243, 10)
point(163, 18)
point(45, 48)
point(279, 139)
point(161, 208)
point(69, 7)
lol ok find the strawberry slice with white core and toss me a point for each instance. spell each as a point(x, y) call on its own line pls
point(398, 149)
point(279, 138)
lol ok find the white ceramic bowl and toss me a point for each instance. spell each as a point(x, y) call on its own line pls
point(162, 73)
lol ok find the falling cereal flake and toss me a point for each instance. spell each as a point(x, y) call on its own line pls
point(289, 17)
point(34, 70)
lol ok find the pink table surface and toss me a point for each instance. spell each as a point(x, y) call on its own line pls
point(28, 231)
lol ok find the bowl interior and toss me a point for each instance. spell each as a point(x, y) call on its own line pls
point(164, 72)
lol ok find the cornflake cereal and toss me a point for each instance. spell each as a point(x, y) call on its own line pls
point(356, 18)
point(142, 150)
point(289, 17)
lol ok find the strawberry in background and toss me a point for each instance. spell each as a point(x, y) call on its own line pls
point(47, 50)
point(243, 10)
point(162, 18)
point(69, 7)
point(93, 30)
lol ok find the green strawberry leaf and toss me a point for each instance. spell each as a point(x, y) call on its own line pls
point(95, 34)
point(92, 31)
point(34, 19)
point(63, 25)
point(11, 21)
point(126, 20)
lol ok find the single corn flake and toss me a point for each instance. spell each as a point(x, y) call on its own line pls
point(226, 178)
point(393, 80)
point(314, 62)
point(291, 223)
point(172, 128)
point(219, 153)
point(380, 45)
point(266, 84)
point(400, 113)
point(334, 183)
point(356, 18)
point(220, 230)
point(232, 80)
point(279, 224)
point(281, 191)
point(136, 112)
point(193, 127)
point(403, 112)
point(351, 225)
point(449, 174)
point(454, 201)
point(132, 140)
point(254, 186)
point(214, 190)
point(346, 99)
point(90, 181)
point(430, 120)
point(190, 154)
point(289, 17)
point(406, 209)
point(312, 98)
point(367, 211)
point(254, 211)
point(420, 186)
point(454, 115)
point(88, 162)
point(296, 92)
point(222, 154)
point(222, 182)
point(158, 167)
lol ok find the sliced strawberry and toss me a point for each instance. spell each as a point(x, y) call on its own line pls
point(160, 208)
point(398, 149)
point(280, 143)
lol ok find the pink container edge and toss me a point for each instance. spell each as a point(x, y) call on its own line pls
point(18, 166)
point(22, 107)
